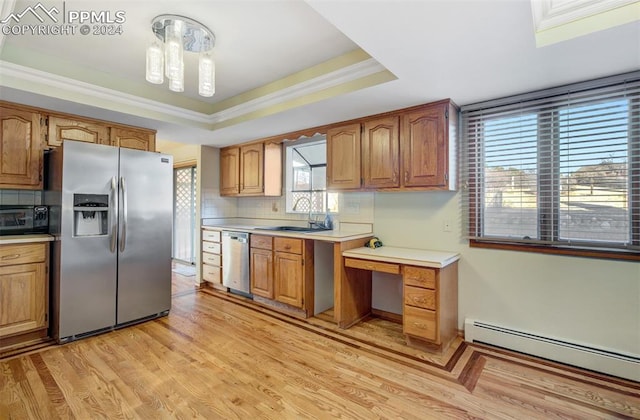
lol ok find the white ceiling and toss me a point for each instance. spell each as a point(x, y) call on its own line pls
point(421, 51)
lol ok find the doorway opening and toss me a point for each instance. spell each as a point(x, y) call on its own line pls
point(184, 214)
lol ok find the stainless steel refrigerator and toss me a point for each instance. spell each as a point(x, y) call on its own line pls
point(112, 213)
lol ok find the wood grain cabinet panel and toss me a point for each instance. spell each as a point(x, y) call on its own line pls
point(262, 272)
point(430, 305)
point(381, 153)
point(344, 157)
point(61, 129)
point(420, 323)
point(131, 138)
point(21, 152)
point(230, 171)
point(252, 169)
point(424, 156)
point(282, 271)
point(24, 291)
point(289, 279)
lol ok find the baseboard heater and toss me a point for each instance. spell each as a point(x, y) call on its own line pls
point(600, 360)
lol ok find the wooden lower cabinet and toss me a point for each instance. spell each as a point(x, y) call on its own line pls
point(430, 305)
point(289, 279)
point(24, 293)
point(282, 271)
point(211, 257)
point(262, 266)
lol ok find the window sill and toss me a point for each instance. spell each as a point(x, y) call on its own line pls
point(558, 250)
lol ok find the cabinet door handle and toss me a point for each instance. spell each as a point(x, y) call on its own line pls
point(406, 177)
point(11, 257)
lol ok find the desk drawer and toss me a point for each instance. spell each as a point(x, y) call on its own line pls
point(419, 276)
point(372, 265)
point(291, 245)
point(22, 254)
point(211, 235)
point(211, 259)
point(417, 296)
point(261, 241)
point(211, 274)
point(211, 247)
point(420, 323)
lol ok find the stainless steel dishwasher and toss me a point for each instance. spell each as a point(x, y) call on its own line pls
point(235, 262)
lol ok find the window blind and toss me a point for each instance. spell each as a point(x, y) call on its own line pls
point(558, 167)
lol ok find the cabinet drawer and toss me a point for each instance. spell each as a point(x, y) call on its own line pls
point(293, 246)
point(211, 247)
point(211, 274)
point(211, 259)
point(419, 276)
point(262, 242)
point(420, 323)
point(21, 254)
point(211, 235)
point(372, 265)
point(417, 296)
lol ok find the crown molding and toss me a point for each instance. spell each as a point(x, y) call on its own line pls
point(551, 13)
point(41, 82)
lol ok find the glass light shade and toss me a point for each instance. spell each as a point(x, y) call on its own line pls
point(176, 83)
point(155, 63)
point(206, 74)
point(174, 50)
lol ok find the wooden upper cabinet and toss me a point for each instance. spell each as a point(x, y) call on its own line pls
point(132, 138)
point(424, 147)
point(380, 153)
point(20, 149)
point(343, 157)
point(61, 129)
point(230, 171)
point(252, 168)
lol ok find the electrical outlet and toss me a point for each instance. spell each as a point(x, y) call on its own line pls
point(446, 226)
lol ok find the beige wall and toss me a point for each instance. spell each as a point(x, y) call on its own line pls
point(182, 153)
point(583, 300)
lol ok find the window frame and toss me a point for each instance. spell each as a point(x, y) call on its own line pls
point(289, 179)
point(549, 177)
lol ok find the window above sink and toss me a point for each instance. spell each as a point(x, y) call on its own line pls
point(306, 177)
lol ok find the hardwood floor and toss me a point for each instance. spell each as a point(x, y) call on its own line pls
point(215, 356)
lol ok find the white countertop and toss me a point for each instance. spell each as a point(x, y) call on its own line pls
point(325, 235)
point(409, 256)
point(22, 239)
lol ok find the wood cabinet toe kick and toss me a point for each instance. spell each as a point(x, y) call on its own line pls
point(429, 292)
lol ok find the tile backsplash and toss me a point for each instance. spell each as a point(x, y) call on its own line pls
point(20, 197)
point(355, 207)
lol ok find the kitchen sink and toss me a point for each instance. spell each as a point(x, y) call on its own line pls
point(293, 229)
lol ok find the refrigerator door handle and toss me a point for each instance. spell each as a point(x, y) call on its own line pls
point(114, 214)
point(123, 236)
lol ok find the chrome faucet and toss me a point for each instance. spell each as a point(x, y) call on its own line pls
point(295, 207)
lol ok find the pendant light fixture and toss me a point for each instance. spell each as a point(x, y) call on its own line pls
point(173, 35)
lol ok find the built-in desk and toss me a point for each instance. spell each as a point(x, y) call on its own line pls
point(430, 291)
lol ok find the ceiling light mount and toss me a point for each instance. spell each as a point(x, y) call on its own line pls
point(196, 37)
point(178, 34)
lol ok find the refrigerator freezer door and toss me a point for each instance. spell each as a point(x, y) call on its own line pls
point(85, 283)
point(146, 217)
